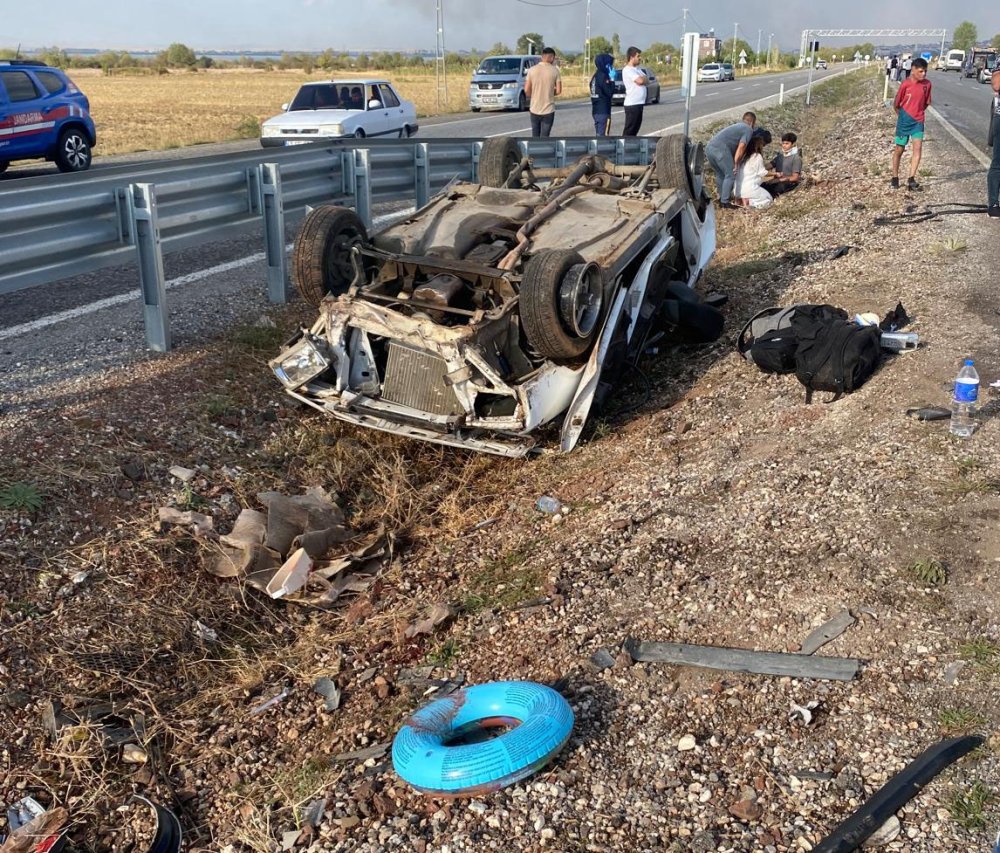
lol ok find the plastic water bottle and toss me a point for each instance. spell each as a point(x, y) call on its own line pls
point(548, 504)
point(963, 404)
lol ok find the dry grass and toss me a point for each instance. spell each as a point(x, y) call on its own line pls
point(153, 112)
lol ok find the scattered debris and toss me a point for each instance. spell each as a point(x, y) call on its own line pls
point(243, 550)
point(312, 814)
point(204, 632)
point(929, 413)
point(479, 526)
point(828, 631)
point(952, 670)
point(200, 524)
point(311, 521)
point(185, 475)
point(292, 575)
point(804, 712)
point(376, 751)
point(270, 703)
point(325, 687)
point(743, 660)
point(686, 743)
point(549, 504)
point(895, 793)
point(438, 615)
point(32, 828)
point(134, 754)
point(114, 724)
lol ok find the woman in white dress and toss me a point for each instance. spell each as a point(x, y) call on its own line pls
point(750, 172)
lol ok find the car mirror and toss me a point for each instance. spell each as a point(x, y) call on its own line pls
point(374, 104)
point(284, 108)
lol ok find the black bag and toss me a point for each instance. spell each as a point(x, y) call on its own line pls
point(767, 340)
point(833, 353)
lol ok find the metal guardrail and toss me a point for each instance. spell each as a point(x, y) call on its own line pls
point(96, 220)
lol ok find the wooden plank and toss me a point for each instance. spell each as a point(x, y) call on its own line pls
point(744, 660)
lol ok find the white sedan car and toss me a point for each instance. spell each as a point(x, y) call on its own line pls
point(710, 72)
point(338, 108)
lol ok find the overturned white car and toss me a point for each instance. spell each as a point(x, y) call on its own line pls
point(501, 306)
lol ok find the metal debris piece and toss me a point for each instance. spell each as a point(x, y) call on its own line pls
point(896, 793)
point(744, 660)
point(270, 703)
point(803, 711)
point(376, 751)
point(32, 828)
point(602, 659)
point(204, 632)
point(292, 516)
point(168, 837)
point(486, 522)
point(325, 687)
point(312, 814)
point(828, 631)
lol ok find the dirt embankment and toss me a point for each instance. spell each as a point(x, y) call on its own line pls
point(719, 509)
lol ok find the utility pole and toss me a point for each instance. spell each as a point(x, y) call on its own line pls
point(587, 58)
point(735, 30)
point(767, 62)
point(756, 56)
point(440, 68)
point(684, 29)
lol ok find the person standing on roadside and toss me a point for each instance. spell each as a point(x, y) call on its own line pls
point(907, 68)
point(635, 91)
point(543, 85)
point(602, 88)
point(725, 150)
point(912, 100)
point(993, 175)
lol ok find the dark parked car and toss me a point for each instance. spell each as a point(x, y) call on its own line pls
point(43, 114)
point(652, 88)
point(728, 72)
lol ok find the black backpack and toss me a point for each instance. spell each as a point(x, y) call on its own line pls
point(818, 343)
point(833, 354)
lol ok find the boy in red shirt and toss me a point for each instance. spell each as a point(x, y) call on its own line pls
point(912, 99)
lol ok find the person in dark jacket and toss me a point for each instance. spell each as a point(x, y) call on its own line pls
point(993, 175)
point(602, 87)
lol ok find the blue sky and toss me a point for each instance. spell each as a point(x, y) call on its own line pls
point(409, 24)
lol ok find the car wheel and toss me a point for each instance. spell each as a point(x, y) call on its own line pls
point(656, 100)
point(522, 103)
point(497, 158)
point(73, 151)
point(475, 109)
point(562, 303)
point(681, 164)
point(3, 166)
point(359, 134)
point(691, 321)
point(322, 261)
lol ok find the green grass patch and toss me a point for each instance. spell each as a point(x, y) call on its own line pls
point(929, 571)
point(21, 497)
point(446, 653)
point(955, 721)
point(968, 808)
point(502, 583)
point(257, 338)
point(983, 653)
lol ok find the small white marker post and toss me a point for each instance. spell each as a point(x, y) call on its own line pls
point(689, 74)
point(781, 94)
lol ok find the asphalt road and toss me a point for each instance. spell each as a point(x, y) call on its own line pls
point(964, 102)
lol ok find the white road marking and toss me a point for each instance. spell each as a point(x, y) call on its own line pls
point(962, 140)
point(737, 88)
point(711, 94)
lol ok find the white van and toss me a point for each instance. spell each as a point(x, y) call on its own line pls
point(954, 60)
point(498, 83)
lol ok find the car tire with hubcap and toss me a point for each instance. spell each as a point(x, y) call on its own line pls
point(681, 164)
point(359, 134)
point(497, 158)
point(522, 102)
point(322, 260)
point(73, 151)
point(562, 303)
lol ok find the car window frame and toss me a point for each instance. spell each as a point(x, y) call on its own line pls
point(385, 88)
point(18, 71)
point(43, 73)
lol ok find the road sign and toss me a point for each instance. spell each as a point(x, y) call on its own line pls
point(743, 54)
point(743, 60)
point(857, 55)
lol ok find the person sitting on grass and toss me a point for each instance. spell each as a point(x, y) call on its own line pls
point(750, 172)
point(786, 167)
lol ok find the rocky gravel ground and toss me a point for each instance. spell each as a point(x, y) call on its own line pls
point(718, 508)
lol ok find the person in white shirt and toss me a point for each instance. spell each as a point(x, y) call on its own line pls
point(750, 172)
point(635, 91)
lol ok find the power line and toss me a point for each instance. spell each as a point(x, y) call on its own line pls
point(636, 21)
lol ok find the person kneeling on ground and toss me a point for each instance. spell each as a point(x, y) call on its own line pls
point(786, 167)
point(750, 171)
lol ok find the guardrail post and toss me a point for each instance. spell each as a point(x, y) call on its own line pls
point(560, 153)
point(347, 171)
point(643, 151)
point(422, 170)
point(477, 149)
point(149, 256)
point(619, 152)
point(363, 185)
point(272, 212)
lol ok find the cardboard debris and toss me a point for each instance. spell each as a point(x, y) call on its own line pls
point(438, 615)
point(200, 524)
point(292, 575)
point(243, 550)
point(289, 517)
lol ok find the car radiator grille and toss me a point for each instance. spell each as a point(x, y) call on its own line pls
point(491, 85)
point(415, 378)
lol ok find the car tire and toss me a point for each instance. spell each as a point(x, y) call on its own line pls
point(681, 164)
point(359, 134)
point(497, 158)
point(557, 325)
point(522, 102)
point(691, 322)
point(656, 100)
point(475, 109)
point(3, 166)
point(73, 152)
point(321, 257)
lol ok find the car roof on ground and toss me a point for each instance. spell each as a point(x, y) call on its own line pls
point(358, 81)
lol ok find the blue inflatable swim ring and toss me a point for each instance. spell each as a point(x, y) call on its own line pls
point(542, 723)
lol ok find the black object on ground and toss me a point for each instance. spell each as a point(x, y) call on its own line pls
point(744, 660)
point(895, 793)
point(930, 413)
